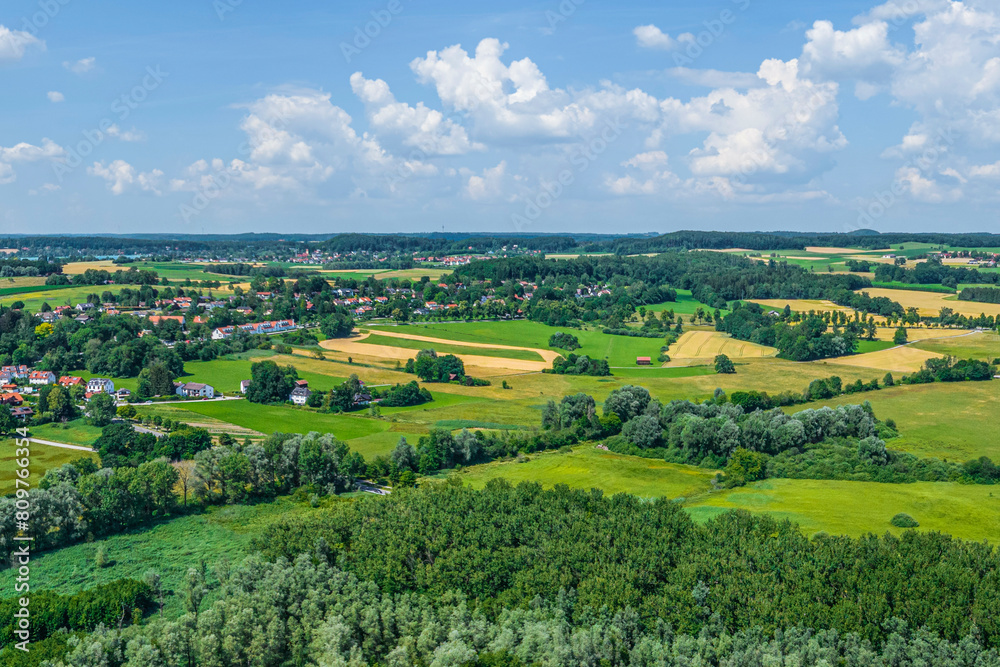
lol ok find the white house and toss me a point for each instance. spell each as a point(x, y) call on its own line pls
point(255, 328)
point(41, 377)
point(244, 386)
point(300, 395)
point(97, 385)
point(18, 372)
point(196, 389)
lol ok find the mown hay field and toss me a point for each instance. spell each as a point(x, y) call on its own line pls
point(703, 346)
point(801, 305)
point(931, 303)
point(902, 359)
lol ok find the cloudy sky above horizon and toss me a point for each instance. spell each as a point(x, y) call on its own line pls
point(227, 116)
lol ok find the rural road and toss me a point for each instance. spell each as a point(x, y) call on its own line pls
point(61, 445)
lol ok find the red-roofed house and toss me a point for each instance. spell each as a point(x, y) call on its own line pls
point(41, 377)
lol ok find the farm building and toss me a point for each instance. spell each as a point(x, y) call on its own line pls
point(643, 361)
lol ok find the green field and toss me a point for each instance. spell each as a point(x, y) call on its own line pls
point(226, 373)
point(945, 420)
point(648, 372)
point(618, 350)
point(837, 507)
point(865, 346)
point(76, 432)
point(30, 289)
point(168, 548)
point(684, 305)
point(914, 287)
point(985, 346)
point(854, 508)
point(588, 467)
point(524, 355)
point(279, 418)
point(59, 296)
point(267, 419)
point(42, 458)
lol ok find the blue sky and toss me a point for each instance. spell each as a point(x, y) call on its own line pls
point(227, 116)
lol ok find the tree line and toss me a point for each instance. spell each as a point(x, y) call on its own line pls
point(980, 294)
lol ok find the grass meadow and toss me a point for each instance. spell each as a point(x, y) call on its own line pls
point(169, 548)
point(587, 467)
point(984, 345)
point(76, 432)
point(945, 420)
point(42, 458)
point(58, 296)
point(964, 511)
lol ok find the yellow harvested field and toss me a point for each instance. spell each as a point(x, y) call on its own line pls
point(920, 333)
point(801, 305)
point(903, 359)
point(931, 303)
point(73, 268)
point(701, 346)
point(22, 281)
point(357, 346)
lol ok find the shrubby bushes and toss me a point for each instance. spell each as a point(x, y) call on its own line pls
point(947, 369)
point(430, 367)
point(633, 333)
point(566, 341)
point(580, 365)
point(406, 394)
point(72, 503)
point(280, 464)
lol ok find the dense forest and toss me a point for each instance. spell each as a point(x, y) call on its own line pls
point(933, 272)
point(391, 243)
point(509, 576)
point(261, 246)
point(980, 294)
point(786, 241)
point(715, 279)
